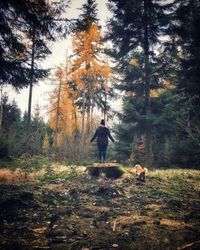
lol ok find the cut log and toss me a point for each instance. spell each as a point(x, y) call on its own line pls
point(109, 169)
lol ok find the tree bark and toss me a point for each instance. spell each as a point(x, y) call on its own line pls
point(28, 129)
point(58, 114)
point(88, 121)
point(83, 114)
point(148, 154)
point(106, 94)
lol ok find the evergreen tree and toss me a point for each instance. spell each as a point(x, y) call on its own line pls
point(135, 30)
point(11, 115)
point(87, 17)
point(171, 144)
point(38, 131)
point(13, 131)
point(11, 128)
point(188, 35)
point(27, 26)
point(19, 21)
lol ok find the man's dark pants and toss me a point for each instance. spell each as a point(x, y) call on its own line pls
point(102, 152)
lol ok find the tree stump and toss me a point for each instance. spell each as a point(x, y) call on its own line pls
point(110, 170)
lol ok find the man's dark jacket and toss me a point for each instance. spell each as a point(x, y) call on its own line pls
point(102, 133)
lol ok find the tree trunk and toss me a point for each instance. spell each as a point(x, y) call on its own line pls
point(148, 154)
point(28, 129)
point(92, 117)
point(58, 115)
point(75, 119)
point(88, 121)
point(83, 114)
point(106, 94)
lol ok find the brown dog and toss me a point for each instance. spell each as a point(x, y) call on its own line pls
point(140, 172)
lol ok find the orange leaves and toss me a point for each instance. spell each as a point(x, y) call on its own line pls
point(88, 73)
point(63, 109)
point(86, 43)
point(59, 73)
point(86, 64)
point(134, 61)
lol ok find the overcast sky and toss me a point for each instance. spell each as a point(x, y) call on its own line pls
point(58, 57)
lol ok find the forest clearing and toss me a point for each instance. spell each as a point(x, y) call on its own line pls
point(99, 124)
point(62, 207)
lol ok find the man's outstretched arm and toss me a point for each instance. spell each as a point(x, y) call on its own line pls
point(94, 137)
point(110, 136)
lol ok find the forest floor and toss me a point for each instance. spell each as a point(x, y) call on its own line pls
point(64, 208)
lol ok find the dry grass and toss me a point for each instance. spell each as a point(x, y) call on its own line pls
point(12, 176)
point(18, 176)
point(168, 173)
point(181, 177)
point(56, 171)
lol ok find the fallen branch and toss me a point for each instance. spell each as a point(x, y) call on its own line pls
point(114, 226)
point(189, 245)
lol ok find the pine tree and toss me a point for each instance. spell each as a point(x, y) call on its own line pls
point(22, 20)
point(26, 28)
point(188, 37)
point(135, 30)
point(11, 130)
point(87, 17)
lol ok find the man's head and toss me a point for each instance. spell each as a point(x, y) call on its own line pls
point(102, 122)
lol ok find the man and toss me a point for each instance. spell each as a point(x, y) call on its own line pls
point(102, 134)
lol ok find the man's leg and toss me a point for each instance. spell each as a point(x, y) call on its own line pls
point(104, 152)
point(99, 153)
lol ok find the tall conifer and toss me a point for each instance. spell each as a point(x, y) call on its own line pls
point(135, 30)
point(22, 23)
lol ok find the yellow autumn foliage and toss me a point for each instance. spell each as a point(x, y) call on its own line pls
point(86, 46)
point(64, 115)
point(87, 72)
point(134, 61)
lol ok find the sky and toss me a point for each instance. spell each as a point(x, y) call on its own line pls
point(60, 49)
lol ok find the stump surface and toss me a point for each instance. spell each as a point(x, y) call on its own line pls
point(106, 164)
point(109, 169)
